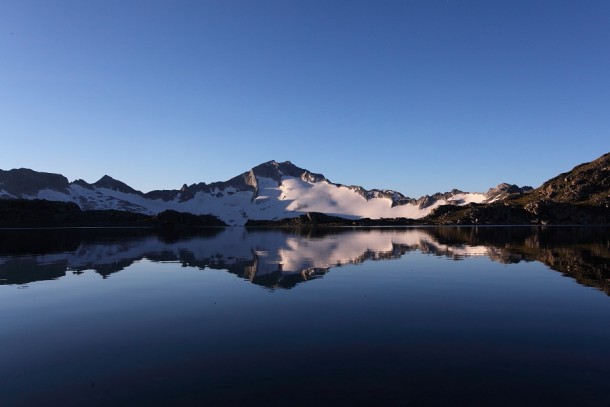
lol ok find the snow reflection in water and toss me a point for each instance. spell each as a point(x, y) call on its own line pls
point(393, 320)
point(284, 258)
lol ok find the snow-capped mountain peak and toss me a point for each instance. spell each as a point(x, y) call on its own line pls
point(108, 182)
point(268, 191)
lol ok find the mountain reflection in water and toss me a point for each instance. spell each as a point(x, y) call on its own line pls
point(283, 259)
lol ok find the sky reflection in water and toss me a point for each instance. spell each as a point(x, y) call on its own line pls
point(346, 316)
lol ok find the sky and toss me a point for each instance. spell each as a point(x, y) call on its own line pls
point(415, 96)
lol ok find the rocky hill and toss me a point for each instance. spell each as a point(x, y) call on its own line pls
point(580, 196)
point(587, 184)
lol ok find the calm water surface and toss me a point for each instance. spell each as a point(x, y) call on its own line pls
point(432, 316)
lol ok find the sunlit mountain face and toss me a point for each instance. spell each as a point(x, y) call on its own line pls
point(281, 193)
point(269, 191)
point(283, 259)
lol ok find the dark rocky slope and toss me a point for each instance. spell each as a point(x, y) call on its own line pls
point(580, 196)
point(41, 213)
point(587, 184)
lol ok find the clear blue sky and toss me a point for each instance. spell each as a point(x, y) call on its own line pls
point(416, 96)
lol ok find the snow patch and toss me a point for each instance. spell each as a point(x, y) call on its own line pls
point(290, 197)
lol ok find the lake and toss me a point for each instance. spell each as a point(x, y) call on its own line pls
point(413, 316)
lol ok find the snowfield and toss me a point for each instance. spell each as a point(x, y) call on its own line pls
point(289, 197)
point(270, 191)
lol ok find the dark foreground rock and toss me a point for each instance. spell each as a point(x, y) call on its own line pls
point(533, 213)
point(308, 219)
point(587, 183)
point(316, 219)
point(41, 213)
point(177, 219)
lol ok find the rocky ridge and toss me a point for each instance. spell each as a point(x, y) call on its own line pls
point(578, 197)
point(587, 184)
point(274, 191)
point(269, 191)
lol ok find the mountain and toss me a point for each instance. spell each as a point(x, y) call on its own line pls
point(25, 183)
point(587, 183)
point(505, 191)
point(110, 183)
point(577, 197)
point(269, 191)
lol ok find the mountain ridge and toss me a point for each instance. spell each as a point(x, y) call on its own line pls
point(276, 190)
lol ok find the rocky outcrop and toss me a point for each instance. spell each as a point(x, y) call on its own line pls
point(587, 183)
point(24, 182)
point(578, 197)
point(504, 191)
point(551, 212)
point(505, 213)
point(108, 182)
point(276, 170)
point(426, 201)
point(163, 194)
point(83, 184)
point(312, 177)
point(479, 214)
point(396, 197)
